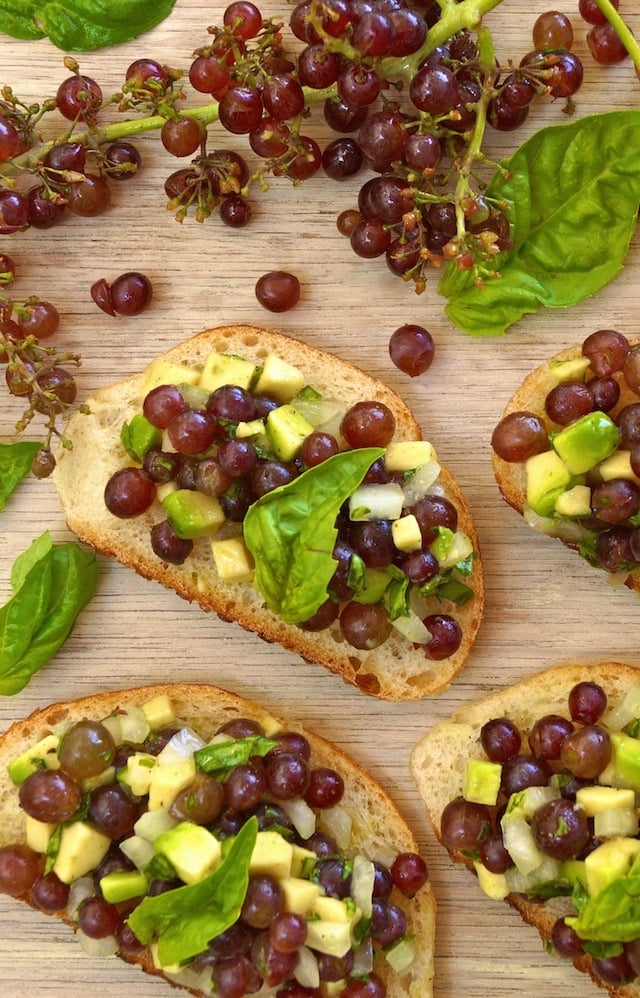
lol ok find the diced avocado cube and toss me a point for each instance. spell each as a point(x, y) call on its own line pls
point(454, 551)
point(376, 502)
point(103, 779)
point(494, 885)
point(226, 369)
point(251, 428)
point(162, 372)
point(625, 755)
point(593, 799)
point(193, 514)
point(406, 533)
point(166, 968)
point(192, 850)
point(159, 711)
point(38, 833)
point(302, 861)
point(406, 455)
point(569, 370)
point(137, 772)
point(332, 938)
point(333, 909)
point(272, 854)
point(375, 583)
point(617, 466)
point(616, 821)
point(279, 379)
point(547, 478)
point(42, 755)
point(608, 861)
point(402, 954)
point(572, 870)
point(482, 781)
point(583, 444)
point(299, 895)
point(139, 436)
point(134, 726)
point(576, 501)
point(122, 885)
point(167, 781)
point(287, 430)
point(232, 559)
point(82, 849)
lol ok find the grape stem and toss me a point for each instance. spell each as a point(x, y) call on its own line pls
point(455, 17)
point(622, 30)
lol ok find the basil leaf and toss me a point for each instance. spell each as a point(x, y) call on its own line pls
point(185, 919)
point(232, 753)
point(16, 19)
point(613, 915)
point(15, 461)
point(574, 191)
point(52, 583)
point(291, 533)
point(37, 550)
point(82, 25)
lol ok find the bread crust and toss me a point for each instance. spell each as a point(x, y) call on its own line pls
point(438, 763)
point(395, 671)
point(378, 826)
point(530, 397)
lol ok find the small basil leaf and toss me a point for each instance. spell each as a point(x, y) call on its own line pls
point(232, 753)
point(291, 533)
point(185, 919)
point(15, 459)
point(573, 192)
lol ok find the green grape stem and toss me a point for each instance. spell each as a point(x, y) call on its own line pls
point(622, 30)
point(456, 17)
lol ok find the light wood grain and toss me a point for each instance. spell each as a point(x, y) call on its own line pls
point(543, 605)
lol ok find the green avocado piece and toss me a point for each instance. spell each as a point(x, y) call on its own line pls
point(34, 758)
point(625, 756)
point(375, 583)
point(583, 444)
point(122, 885)
point(482, 781)
point(139, 436)
point(193, 514)
point(547, 478)
point(287, 431)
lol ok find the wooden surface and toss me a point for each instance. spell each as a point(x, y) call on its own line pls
point(543, 605)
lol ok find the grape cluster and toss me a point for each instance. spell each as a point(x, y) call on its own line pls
point(35, 372)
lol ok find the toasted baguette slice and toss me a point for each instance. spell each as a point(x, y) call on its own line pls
point(393, 671)
point(378, 829)
point(530, 397)
point(439, 760)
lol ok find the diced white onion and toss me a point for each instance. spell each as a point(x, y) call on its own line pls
point(302, 816)
point(107, 946)
point(140, 851)
point(338, 824)
point(627, 710)
point(180, 746)
point(306, 970)
point(363, 959)
point(150, 824)
point(417, 486)
point(134, 725)
point(412, 628)
point(79, 891)
point(362, 882)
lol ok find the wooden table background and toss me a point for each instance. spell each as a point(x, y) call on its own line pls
point(543, 606)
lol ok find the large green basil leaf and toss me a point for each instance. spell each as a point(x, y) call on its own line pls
point(613, 915)
point(15, 463)
point(51, 585)
point(185, 919)
point(82, 25)
point(574, 191)
point(291, 533)
point(16, 19)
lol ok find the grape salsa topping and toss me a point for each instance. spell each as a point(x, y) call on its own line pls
point(205, 456)
point(134, 823)
point(581, 453)
point(551, 811)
